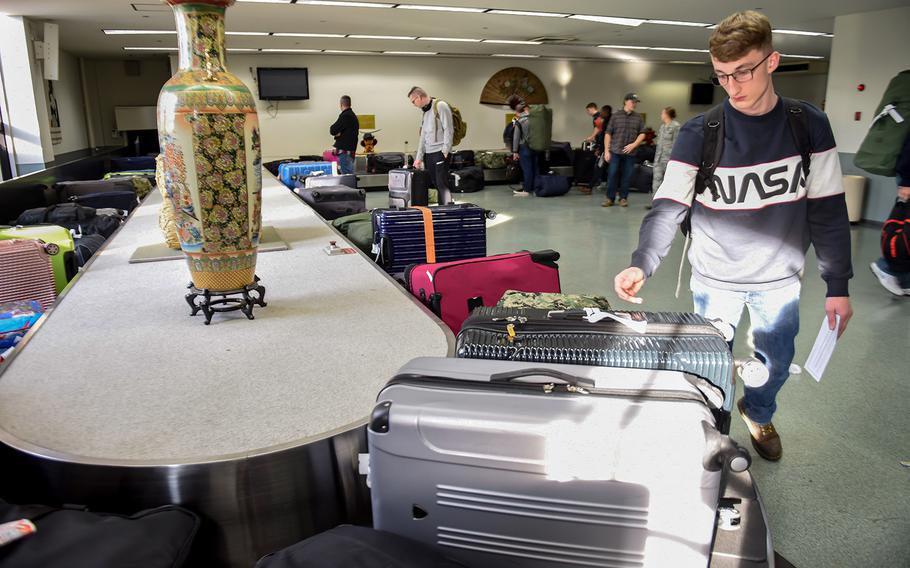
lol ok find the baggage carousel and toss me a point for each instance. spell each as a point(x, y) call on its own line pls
point(121, 401)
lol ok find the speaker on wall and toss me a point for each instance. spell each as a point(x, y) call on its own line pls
point(51, 51)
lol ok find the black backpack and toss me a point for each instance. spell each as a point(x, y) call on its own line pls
point(713, 148)
point(896, 237)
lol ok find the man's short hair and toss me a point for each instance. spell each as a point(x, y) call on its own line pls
point(346, 101)
point(592, 105)
point(417, 91)
point(671, 112)
point(740, 33)
point(515, 102)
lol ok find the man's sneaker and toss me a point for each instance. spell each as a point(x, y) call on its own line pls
point(765, 439)
point(519, 193)
point(623, 203)
point(887, 281)
point(607, 203)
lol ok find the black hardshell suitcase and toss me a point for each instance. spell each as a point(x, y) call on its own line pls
point(334, 201)
point(408, 187)
point(399, 235)
point(466, 180)
point(114, 193)
point(583, 168)
point(506, 464)
point(349, 180)
point(673, 340)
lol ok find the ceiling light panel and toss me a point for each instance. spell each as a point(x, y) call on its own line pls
point(344, 4)
point(686, 49)
point(625, 47)
point(241, 49)
point(515, 55)
point(267, 1)
point(301, 34)
point(380, 37)
point(140, 32)
point(150, 48)
point(633, 22)
point(459, 39)
point(802, 33)
point(348, 52)
point(679, 23)
point(525, 13)
point(246, 33)
point(290, 50)
point(410, 52)
point(441, 8)
point(512, 41)
point(803, 56)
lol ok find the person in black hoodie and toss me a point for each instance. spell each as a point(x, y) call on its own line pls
point(345, 131)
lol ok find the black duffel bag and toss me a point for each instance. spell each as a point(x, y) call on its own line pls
point(78, 218)
point(76, 538)
point(385, 162)
point(348, 546)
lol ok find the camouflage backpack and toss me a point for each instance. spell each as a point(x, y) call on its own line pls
point(551, 301)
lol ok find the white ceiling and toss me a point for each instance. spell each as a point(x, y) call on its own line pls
point(81, 25)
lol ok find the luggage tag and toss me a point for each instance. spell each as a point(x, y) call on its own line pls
point(594, 315)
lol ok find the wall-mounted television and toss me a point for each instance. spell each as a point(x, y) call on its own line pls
point(702, 94)
point(283, 83)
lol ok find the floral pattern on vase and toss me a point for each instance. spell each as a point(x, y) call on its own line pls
point(209, 136)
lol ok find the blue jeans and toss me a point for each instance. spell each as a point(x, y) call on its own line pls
point(903, 278)
point(775, 323)
point(527, 159)
point(345, 164)
point(627, 163)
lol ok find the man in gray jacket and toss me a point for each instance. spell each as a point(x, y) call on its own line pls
point(435, 144)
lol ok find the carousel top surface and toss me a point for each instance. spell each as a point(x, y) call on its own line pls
point(120, 373)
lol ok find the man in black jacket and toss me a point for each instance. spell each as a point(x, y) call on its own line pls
point(345, 131)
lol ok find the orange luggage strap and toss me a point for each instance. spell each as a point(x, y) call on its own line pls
point(428, 235)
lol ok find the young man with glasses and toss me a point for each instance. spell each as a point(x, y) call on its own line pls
point(748, 242)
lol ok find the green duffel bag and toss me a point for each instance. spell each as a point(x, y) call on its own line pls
point(491, 160)
point(358, 228)
point(551, 301)
point(882, 145)
point(540, 128)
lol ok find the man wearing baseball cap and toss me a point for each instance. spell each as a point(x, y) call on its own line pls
point(624, 133)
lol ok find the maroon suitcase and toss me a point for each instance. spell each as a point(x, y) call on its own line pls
point(453, 289)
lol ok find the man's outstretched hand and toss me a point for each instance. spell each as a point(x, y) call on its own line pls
point(628, 283)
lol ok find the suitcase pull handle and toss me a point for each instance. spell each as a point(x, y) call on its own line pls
point(510, 376)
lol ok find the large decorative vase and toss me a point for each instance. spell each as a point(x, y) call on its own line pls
point(209, 135)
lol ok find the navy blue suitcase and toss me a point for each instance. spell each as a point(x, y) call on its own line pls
point(399, 240)
point(291, 173)
point(551, 185)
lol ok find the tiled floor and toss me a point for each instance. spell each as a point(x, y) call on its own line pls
point(839, 497)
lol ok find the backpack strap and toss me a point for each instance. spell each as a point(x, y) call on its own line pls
point(799, 129)
point(712, 148)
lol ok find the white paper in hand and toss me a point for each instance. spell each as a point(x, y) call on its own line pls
point(823, 349)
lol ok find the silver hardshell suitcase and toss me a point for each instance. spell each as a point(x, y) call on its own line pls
point(533, 465)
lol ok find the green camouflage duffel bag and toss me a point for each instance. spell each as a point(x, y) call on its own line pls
point(491, 160)
point(551, 301)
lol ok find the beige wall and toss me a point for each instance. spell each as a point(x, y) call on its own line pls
point(108, 86)
point(869, 48)
point(71, 106)
point(379, 85)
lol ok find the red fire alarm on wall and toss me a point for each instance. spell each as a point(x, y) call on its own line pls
point(857, 115)
point(861, 87)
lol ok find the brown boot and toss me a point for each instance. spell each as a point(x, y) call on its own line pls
point(623, 203)
point(607, 203)
point(765, 438)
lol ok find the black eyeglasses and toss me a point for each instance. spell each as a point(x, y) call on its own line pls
point(740, 76)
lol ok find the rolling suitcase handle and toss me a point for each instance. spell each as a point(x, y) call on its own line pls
point(571, 380)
